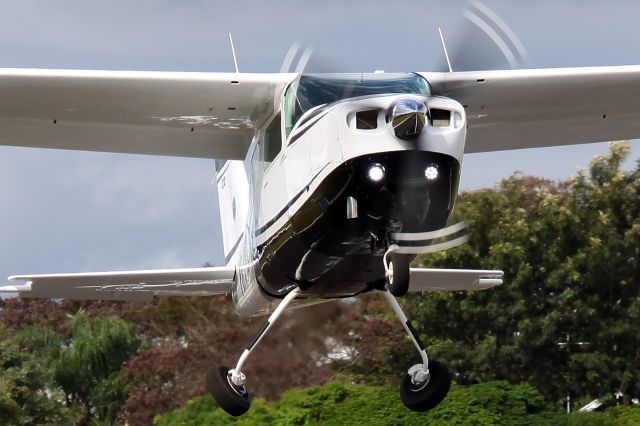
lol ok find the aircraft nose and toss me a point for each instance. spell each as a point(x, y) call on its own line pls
point(407, 116)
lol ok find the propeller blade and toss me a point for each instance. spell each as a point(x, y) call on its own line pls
point(289, 58)
point(485, 42)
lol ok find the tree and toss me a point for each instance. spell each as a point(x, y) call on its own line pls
point(87, 365)
point(27, 392)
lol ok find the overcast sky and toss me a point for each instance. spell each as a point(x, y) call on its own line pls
point(75, 211)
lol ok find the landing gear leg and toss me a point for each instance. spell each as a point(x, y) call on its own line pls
point(227, 386)
point(425, 385)
point(397, 271)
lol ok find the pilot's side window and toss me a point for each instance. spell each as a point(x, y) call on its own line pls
point(289, 108)
point(272, 140)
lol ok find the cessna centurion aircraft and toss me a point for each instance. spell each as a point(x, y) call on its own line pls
point(329, 184)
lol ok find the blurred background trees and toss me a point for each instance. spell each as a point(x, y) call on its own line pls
point(565, 322)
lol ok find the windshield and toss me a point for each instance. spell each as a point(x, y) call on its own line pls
point(314, 90)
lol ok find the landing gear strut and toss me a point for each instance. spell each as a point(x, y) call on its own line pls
point(397, 271)
point(425, 385)
point(227, 386)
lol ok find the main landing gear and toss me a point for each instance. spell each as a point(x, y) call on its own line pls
point(227, 386)
point(423, 387)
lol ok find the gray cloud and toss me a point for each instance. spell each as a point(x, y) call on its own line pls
point(64, 211)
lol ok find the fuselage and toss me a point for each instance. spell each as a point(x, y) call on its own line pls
point(334, 179)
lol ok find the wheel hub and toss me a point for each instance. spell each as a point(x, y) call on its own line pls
point(237, 381)
point(419, 376)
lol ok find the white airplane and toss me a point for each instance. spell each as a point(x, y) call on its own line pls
point(329, 184)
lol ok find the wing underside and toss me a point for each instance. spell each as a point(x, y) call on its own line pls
point(206, 115)
point(126, 285)
point(544, 107)
point(214, 115)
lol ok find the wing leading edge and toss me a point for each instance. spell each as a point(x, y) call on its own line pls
point(185, 114)
point(544, 107)
point(126, 285)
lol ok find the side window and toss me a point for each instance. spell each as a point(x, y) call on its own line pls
point(289, 108)
point(272, 140)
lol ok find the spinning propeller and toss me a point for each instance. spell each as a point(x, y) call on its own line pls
point(485, 42)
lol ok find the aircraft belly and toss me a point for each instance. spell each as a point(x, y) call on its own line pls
point(332, 245)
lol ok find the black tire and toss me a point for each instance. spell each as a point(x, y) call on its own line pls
point(427, 397)
point(231, 398)
point(398, 283)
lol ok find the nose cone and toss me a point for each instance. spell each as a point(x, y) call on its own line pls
point(407, 117)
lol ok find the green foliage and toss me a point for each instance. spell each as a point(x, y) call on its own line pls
point(493, 403)
point(108, 396)
point(625, 415)
point(52, 378)
point(87, 364)
point(27, 393)
point(344, 404)
point(203, 410)
point(617, 416)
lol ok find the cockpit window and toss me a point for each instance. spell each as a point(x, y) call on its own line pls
point(272, 140)
point(312, 90)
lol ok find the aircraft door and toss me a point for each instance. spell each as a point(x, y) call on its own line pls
point(274, 193)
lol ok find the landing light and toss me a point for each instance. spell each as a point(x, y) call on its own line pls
point(431, 172)
point(376, 172)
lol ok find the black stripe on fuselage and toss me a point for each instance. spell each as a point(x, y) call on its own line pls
point(261, 230)
point(228, 257)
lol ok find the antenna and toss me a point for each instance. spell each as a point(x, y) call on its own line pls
point(444, 46)
point(233, 52)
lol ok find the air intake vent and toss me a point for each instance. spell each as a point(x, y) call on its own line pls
point(440, 117)
point(367, 120)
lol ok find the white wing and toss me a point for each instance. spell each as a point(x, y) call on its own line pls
point(425, 279)
point(126, 285)
point(545, 107)
point(208, 115)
